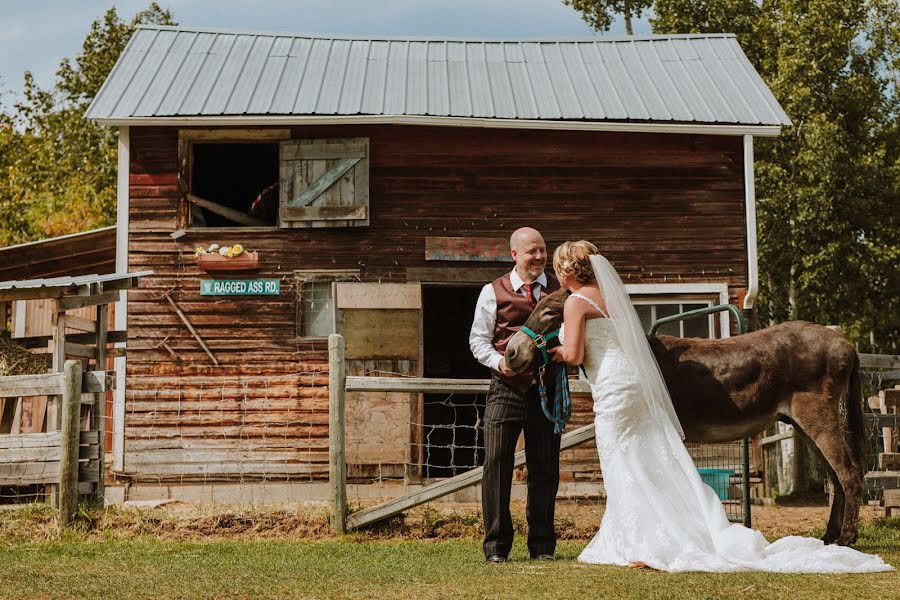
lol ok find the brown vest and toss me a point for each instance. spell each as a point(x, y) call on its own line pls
point(513, 310)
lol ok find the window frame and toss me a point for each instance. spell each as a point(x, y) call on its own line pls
point(685, 293)
point(306, 276)
point(188, 138)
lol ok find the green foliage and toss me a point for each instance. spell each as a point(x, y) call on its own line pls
point(58, 170)
point(599, 14)
point(828, 188)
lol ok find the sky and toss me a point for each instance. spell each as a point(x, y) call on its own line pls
point(36, 34)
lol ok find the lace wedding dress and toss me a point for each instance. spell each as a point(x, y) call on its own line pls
point(658, 510)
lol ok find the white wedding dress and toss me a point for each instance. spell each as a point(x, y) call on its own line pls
point(658, 510)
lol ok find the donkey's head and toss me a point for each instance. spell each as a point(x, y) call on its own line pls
point(521, 352)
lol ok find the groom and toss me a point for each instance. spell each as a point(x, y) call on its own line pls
point(513, 404)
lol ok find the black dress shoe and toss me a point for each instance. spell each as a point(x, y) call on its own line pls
point(542, 557)
point(495, 559)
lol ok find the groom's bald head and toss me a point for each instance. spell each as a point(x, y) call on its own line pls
point(528, 249)
point(524, 235)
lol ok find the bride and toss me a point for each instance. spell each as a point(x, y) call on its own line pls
point(659, 513)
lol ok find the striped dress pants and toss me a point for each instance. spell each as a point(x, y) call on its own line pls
point(507, 413)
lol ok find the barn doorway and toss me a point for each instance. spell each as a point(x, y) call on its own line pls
point(452, 437)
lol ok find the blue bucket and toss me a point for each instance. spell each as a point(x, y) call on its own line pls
point(717, 479)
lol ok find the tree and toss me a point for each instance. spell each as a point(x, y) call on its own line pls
point(599, 14)
point(828, 187)
point(58, 170)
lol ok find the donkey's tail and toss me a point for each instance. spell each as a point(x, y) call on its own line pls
point(856, 424)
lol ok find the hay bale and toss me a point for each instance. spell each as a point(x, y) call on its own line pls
point(16, 359)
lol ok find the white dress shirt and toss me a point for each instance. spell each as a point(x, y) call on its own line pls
point(481, 336)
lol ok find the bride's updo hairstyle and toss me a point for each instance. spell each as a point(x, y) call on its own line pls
point(574, 259)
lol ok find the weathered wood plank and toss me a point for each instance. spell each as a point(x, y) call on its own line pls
point(315, 213)
point(41, 341)
point(337, 465)
point(73, 302)
point(299, 151)
point(891, 499)
point(884, 420)
point(379, 296)
point(68, 457)
point(228, 213)
point(881, 480)
point(47, 453)
point(187, 323)
point(29, 473)
point(473, 275)
point(879, 361)
point(771, 439)
point(30, 440)
point(206, 470)
point(434, 385)
point(81, 324)
point(478, 249)
point(324, 182)
point(33, 293)
point(51, 384)
point(382, 334)
point(233, 134)
point(889, 461)
point(448, 486)
point(79, 350)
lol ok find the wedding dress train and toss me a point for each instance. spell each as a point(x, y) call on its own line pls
point(658, 510)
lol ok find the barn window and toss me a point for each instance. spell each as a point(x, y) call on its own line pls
point(655, 301)
point(657, 309)
point(324, 183)
point(231, 177)
point(315, 301)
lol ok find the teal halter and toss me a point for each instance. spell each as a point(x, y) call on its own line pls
point(541, 341)
point(562, 401)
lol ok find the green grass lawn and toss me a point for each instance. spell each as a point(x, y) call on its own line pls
point(145, 567)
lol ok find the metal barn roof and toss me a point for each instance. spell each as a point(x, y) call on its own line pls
point(176, 72)
point(57, 287)
point(80, 253)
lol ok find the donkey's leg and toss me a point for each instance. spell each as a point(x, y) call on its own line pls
point(821, 422)
point(836, 517)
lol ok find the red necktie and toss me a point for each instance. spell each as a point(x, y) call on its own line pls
point(529, 294)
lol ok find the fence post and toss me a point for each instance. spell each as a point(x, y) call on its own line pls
point(68, 458)
point(337, 467)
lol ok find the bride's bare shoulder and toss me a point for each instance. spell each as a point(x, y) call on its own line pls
point(591, 301)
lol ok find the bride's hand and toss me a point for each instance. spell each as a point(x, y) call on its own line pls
point(555, 355)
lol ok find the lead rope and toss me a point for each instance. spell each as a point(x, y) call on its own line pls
point(562, 400)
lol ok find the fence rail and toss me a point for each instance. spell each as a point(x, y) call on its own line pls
point(339, 384)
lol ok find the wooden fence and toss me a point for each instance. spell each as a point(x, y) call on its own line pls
point(339, 383)
point(68, 458)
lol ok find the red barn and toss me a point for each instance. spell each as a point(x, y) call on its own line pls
point(402, 167)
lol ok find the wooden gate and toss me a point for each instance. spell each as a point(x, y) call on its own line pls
point(69, 457)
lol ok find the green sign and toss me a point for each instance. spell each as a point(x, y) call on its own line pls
point(240, 287)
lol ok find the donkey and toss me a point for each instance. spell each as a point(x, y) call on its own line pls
point(728, 389)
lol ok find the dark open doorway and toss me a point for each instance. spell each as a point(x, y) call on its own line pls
point(452, 434)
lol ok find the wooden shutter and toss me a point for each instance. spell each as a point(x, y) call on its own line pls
point(324, 183)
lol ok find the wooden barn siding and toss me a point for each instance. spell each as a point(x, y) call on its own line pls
point(663, 208)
